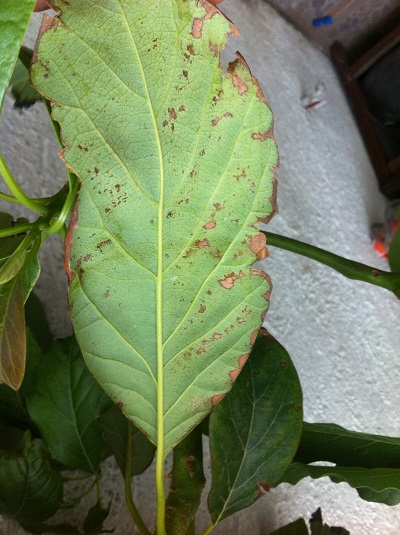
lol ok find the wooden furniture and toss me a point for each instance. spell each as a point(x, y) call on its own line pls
point(386, 165)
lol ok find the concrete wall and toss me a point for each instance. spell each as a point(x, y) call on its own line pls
point(343, 336)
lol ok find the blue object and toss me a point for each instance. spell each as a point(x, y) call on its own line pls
point(324, 21)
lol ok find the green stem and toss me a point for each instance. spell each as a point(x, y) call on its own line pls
point(208, 529)
point(18, 229)
point(59, 222)
point(128, 489)
point(348, 268)
point(17, 192)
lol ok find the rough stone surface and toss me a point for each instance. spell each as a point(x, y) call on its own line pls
point(342, 335)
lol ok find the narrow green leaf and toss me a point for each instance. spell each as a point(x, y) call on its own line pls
point(22, 91)
point(394, 249)
point(177, 169)
point(298, 527)
point(65, 406)
point(14, 19)
point(115, 429)
point(30, 488)
point(10, 243)
point(187, 483)
point(12, 333)
point(330, 442)
point(255, 430)
point(30, 273)
point(383, 482)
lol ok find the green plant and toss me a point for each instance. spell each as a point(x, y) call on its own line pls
point(176, 170)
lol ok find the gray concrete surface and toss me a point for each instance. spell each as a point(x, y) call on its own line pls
point(343, 336)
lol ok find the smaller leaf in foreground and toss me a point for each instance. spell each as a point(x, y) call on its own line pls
point(255, 429)
point(12, 333)
point(298, 527)
point(115, 428)
point(65, 407)
point(22, 91)
point(30, 487)
point(319, 528)
point(382, 484)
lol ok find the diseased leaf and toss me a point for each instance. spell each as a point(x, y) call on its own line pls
point(12, 333)
point(176, 164)
point(30, 488)
point(373, 484)
point(330, 442)
point(65, 406)
point(255, 430)
point(298, 527)
point(14, 19)
point(115, 429)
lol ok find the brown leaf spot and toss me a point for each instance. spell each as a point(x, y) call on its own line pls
point(240, 320)
point(202, 243)
point(87, 257)
point(200, 351)
point(260, 137)
point(120, 404)
point(258, 246)
point(209, 225)
point(216, 399)
point(218, 206)
point(262, 488)
point(241, 361)
point(215, 121)
point(202, 309)
point(73, 224)
point(197, 28)
point(185, 74)
point(190, 49)
point(229, 280)
point(102, 244)
point(172, 113)
point(242, 174)
point(217, 336)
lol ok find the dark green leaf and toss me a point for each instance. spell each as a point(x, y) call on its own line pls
point(36, 320)
point(37, 528)
point(13, 403)
point(9, 243)
point(12, 333)
point(25, 95)
point(115, 427)
point(95, 518)
point(11, 438)
point(255, 430)
point(65, 407)
point(330, 442)
point(383, 482)
point(319, 528)
point(298, 527)
point(30, 273)
point(14, 19)
point(30, 488)
point(394, 249)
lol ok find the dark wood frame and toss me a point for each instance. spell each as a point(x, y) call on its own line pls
point(388, 171)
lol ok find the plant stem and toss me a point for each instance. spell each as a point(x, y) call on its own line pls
point(348, 268)
point(208, 529)
point(19, 195)
point(18, 229)
point(59, 222)
point(128, 489)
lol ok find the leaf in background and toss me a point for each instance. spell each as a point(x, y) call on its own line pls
point(255, 430)
point(298, 527)
point(14, 19)
point(319, 528)
point(12, 333)
point(115, 429)
point(30, 488)
point(383, 482)
point(9, 243)
point(394, 248)
point(30, 272)
point(94, 520)
point(37, 528)
point(13, 409)
point(177, 169)
point(25, 95)
point(65, 406)
point(330, 442)
point(36, 320)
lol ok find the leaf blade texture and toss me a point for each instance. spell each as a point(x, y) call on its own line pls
point(176, 168)
point(255, 430)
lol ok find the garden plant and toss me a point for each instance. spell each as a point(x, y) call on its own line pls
point(170, 182)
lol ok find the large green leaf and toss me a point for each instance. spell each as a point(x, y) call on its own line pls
point(330, 442)
point(255, 430)
point(373, 484)
point(176, 164)
point(65, 406)
point(14, 19)
point(30, 487)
